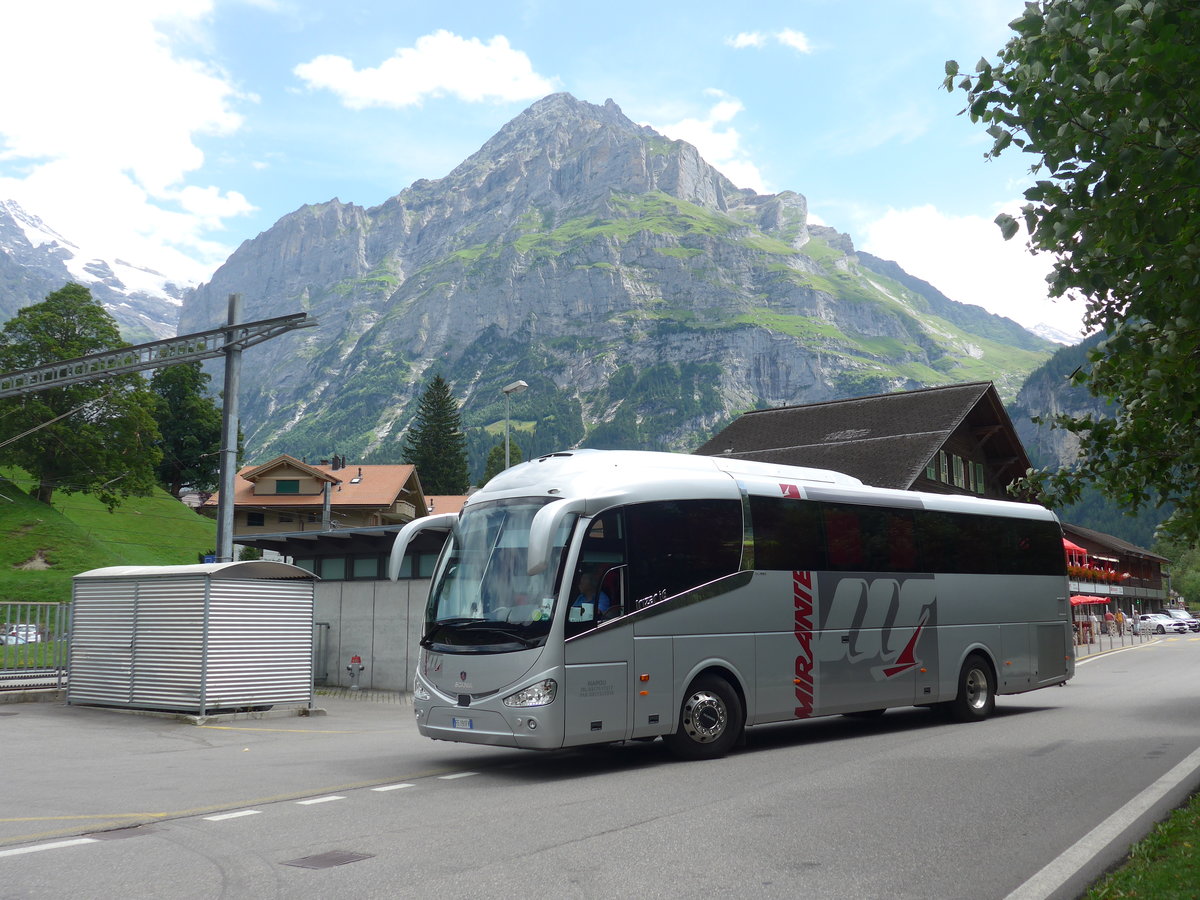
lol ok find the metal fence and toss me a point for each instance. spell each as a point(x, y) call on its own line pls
point(33, 645)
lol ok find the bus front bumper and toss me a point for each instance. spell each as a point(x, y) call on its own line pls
point(530, 729)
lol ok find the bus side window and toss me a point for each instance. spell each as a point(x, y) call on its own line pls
point(596, 588)
point(787, 534)
point(675, 545)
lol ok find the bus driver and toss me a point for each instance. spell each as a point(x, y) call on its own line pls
point(589, 592)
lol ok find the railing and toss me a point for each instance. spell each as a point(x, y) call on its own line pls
point(1096, 637)
point(33, 645)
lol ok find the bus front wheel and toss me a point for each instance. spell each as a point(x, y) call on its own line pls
point(976, 698)
point(710, 720)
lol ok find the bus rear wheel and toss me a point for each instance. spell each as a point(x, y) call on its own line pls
point(710, 720)
point(976, 698)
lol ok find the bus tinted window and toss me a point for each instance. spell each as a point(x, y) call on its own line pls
point(680, 544)
point(787, 534)
point(792, 534)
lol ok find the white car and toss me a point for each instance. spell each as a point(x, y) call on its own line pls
point(20, 634)
point(1182, 615)
point(1157, 623)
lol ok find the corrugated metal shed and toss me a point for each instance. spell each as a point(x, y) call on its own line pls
point(197, 639)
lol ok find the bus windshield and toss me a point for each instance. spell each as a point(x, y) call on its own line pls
point(483, 600)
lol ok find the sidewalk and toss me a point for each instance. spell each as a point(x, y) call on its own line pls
point(364, 695)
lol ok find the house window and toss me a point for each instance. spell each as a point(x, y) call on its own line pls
point(285, 518)
point(333, 568)
point(944, 466)
point(931, 470)
point(980, 481)
point(256, 519)
point(960, 477)
point(287, 486)
point(366, 567)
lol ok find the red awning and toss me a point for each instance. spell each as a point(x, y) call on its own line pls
point(1085, 599)
point(1072, 548)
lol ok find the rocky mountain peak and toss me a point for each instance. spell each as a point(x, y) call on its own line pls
point(36, 260)
point(640, 292)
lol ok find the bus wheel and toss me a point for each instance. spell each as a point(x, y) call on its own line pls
point(710, 720)
point(976, 698)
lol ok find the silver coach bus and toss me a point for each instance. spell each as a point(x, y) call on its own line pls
point(595, 596)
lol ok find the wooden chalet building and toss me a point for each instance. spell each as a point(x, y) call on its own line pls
point(956, 439)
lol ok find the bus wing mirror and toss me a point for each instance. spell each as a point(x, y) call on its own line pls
point(442, 522)
point(544, 527)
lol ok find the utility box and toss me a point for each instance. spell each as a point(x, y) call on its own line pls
point(199, 639)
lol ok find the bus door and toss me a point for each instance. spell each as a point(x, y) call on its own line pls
point(598, 646)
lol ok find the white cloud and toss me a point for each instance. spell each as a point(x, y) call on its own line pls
point(440, 63)
point(718, 142)
point(966, 259)
point(788, 37)
point(101, 135)
point(747, 39)
point(797, 40)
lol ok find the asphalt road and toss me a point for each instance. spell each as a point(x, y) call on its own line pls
point(102, 804)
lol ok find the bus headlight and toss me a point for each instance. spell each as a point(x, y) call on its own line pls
point(419, 692)
point(540, 694)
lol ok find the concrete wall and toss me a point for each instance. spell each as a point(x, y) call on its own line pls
point(379, 621)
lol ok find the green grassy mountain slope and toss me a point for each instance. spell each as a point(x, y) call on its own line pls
point(43, 547)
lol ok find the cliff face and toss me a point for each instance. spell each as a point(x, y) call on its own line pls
point(643, 296)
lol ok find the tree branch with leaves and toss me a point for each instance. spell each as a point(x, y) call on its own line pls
point(1104, 97)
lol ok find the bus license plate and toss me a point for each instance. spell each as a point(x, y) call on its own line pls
point(466, 724)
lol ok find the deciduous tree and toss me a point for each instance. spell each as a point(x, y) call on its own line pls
point(96, 437)
point(1105, 96)
point(190, 424)
point(435, 442)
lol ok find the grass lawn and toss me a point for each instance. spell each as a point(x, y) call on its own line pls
point(43, 547)
point(1163, 866)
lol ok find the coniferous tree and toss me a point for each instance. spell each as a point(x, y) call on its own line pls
point(190, 424)
point(435, 442)
point(495, 459)
point(96, 437)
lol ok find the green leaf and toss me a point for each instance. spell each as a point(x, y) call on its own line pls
point(1008, 225)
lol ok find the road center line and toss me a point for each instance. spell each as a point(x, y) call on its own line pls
point(51, 846)
point(457, 775)
point(1055, 874)
point(329, 799)
point(391, 787)
point(232, 815)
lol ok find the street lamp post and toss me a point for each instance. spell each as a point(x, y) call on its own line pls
point(508, 390)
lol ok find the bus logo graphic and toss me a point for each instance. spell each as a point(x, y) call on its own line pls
point(803, 597)
point(880, 622)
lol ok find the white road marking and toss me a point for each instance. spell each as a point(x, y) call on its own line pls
point(391, 787)
point(53, 846)
point(233, 815)
point(319, 800)
point(1055, 874)
point(457, 775)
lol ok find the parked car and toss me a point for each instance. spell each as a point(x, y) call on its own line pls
point(1182, 615)
point(20, 634)
point(1157, 623)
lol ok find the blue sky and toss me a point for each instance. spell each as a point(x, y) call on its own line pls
point(166, 132)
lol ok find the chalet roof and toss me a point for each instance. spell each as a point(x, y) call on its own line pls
point(884, 439)
point(351, 486)
point(1109, 541)
point(444, 503)
point(253, 473)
